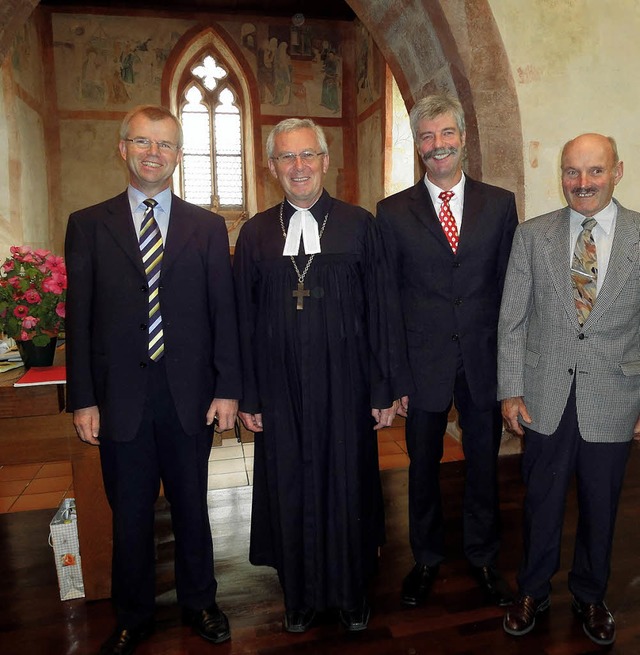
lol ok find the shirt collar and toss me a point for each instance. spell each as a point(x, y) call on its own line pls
point(605, 217)
point(434, 190)
point(137, 197)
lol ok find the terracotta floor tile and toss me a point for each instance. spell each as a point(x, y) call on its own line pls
point(403, 444)
point(452, 449)
point(6, 503)
point(385, 435)
point(54, 470)
point(49, 500)
point(19, 472)
point(389, 448)
point(44, 485)
point(393, 462)
point(12, 487)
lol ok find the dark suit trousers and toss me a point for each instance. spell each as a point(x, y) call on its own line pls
point(482, 430)
point(132, 471)
point(548, 466)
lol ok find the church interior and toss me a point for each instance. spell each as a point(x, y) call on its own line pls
point(530, 76)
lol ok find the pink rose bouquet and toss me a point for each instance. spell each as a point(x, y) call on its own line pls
point(33, 289)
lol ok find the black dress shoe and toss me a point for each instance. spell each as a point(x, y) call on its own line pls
point(417, 585)
point(493, 585)
point(521, 616)
point(299, 620)
point(124, 641)
point(597, 622)
point(210, 623)
point(357, 619)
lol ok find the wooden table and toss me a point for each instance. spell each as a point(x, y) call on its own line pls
point(35, 428)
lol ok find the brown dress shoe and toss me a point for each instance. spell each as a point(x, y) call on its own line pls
point(597, 621)
point(521, 616)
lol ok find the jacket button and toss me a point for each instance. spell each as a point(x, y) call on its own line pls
point(457, 301)
point(581, 336)
point(143, 326)
point(456, 264)
point(143, 364)
point(454, 337)
point(144, 288)
point(570, 371)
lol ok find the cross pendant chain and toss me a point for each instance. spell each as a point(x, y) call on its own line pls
point(300, 293)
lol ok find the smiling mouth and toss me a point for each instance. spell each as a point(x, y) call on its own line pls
point(299, 179)
point(439, 154)
point(152, 164)
point(585, 193)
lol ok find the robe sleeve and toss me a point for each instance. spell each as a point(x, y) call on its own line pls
point(244, 272)
point(390, 373)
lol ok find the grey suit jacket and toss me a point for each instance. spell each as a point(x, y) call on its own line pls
point(541, 346)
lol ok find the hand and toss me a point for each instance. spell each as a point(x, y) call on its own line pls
point(403, 408)
point(223, 411)
point(87, 424)
point(384, 417)
point(636, 430)
point(253, 422)
point(511, 409)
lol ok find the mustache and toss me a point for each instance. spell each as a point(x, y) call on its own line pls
point(584, 189)
point(450, 150)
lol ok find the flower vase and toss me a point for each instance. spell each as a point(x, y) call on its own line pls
point(37, 355)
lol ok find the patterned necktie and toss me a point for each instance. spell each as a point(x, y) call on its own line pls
point(584, 271)
point(151, 249)
point(447, 221)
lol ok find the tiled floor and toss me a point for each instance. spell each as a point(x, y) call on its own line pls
point(43, 486)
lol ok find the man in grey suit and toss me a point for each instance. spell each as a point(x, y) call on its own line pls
point(569, 378)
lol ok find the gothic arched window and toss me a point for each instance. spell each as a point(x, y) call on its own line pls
point(212, 165)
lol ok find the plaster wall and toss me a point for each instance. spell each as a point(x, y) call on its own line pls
point(573, 63)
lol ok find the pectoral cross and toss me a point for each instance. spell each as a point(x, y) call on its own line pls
point(300, 293)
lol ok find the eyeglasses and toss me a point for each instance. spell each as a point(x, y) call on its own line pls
point(145, 144)
point(306, 157)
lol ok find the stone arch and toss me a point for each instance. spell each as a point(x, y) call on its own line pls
point(455, 45)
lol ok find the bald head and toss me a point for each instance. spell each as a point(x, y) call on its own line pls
point(590, 171)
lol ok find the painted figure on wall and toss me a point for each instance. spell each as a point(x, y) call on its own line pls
point(330, 87)
point(282, 75)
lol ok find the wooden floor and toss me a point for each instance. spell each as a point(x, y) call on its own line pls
point(33, 620)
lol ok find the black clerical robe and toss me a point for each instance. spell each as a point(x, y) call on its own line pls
point(314, 374)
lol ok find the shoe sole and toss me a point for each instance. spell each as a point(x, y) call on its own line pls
point(543, 607)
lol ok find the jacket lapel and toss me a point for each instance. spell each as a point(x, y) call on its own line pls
point(422, 208)
point(556, 252)
point(624, 255)
point(119, 223)
point(179, 233)
point(472, 209)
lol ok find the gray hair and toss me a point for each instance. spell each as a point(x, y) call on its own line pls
point(153, 113)
point(291, 124)
point(433, 106)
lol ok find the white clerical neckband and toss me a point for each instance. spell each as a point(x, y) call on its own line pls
point(302, 224)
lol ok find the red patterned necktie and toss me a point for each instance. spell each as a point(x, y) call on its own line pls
point(447, 221)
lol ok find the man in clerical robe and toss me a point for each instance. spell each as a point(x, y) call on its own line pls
point(320, 348)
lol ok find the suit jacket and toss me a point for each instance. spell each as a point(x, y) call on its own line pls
point(107, 315)
point(450, 303)
point(542, 346)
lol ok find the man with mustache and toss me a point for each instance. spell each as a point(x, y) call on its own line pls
point(569, 377)
point(449, 237)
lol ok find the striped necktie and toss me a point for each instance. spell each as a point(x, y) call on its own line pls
point(584, 271)
point(151, 250)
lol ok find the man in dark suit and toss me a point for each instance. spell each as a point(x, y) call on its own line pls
point(569, 369)
point(449, 237)
point(153, 363)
